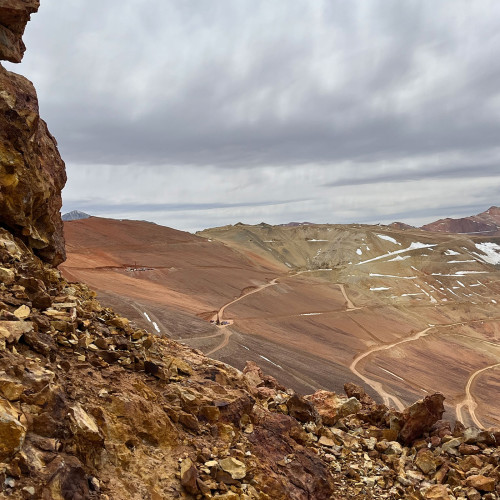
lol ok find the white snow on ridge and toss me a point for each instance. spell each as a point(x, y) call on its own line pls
point(460, 261)
point(414, 246)
point(311, 314)
point(359, 251)
point(269, 361)
point(156, 326)
point(491, 252)
point(398, 257)
point(378, 288)
point(147, 317)
point(393, 276)
point(317, 240)
point(388, 238)
point(451, 252)
point(390, 373)
point(460, 273)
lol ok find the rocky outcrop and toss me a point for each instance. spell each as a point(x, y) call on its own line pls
point(14, 14)
point(32, 173)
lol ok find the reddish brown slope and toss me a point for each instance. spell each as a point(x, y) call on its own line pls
point(486, 223)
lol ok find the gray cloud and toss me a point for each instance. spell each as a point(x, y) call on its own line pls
point(102, 206)
point(303, 94)
point(472, 171)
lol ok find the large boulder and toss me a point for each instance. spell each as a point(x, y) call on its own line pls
point(420, 417)
point(32, 173)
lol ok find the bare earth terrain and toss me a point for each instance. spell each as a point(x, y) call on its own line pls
point(403, 312)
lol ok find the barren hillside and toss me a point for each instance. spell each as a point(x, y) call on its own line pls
point(402, 312)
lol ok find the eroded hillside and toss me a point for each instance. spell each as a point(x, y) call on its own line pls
point(401, 311)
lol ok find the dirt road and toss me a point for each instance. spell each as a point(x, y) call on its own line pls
point(377, 386)
point(469, 400)
point(220, 313)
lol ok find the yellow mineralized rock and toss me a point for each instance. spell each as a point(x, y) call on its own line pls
point(12, 432)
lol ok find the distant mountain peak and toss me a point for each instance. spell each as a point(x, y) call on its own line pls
point(75, 215)
point(486, 223)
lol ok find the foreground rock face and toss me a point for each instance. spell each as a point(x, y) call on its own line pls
point(32, 173)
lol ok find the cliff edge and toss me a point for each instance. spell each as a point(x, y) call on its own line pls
point(32, 173)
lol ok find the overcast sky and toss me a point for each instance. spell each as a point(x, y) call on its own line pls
point(197, 113)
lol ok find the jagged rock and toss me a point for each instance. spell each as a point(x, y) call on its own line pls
point(437, 492)
point(10, 388)
point(32, 173)
point(234, 467)
point(349, 407)
point(471, 462)
point(420, 417)
point(7, 276)
point(425, 461)
point(301, 409)
point(83, 424)
point(13, 18)
point(11, 331)
point(327, 404)
point(481, 483)
point(355, 391)
point(12, 432)
point(22, 312)
point(452, 445)
point(189, 476)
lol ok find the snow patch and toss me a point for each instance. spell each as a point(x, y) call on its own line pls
point(399, 258)
point(491, 251)
point(269, 361)
point(311, 314)
point(156, 327)
point(359, 251)
point(451, 252)
point(390, 373)
point(377, 288)
point(393, 276)
point(414, 246)
point(388, 238)
point(147, 317)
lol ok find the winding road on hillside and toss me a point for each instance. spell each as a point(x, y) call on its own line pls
point(219, 317)
point(220, 312)
point(469, 400)
point(377, 386)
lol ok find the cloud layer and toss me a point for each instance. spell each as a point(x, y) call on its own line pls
point(199, 113)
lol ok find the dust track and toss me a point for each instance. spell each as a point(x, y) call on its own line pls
point(377, 386)
point(469, 400)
